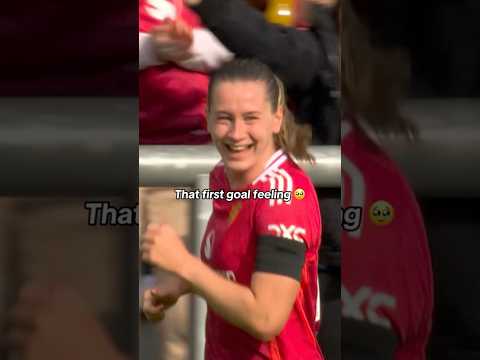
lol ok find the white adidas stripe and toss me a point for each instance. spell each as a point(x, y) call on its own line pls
point(281, 185)
point(264, 175)
point(289, 181)
point(318, 309)
point(280, 180)
point(272, 186)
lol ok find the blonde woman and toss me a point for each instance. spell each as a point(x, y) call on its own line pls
point(259, 257)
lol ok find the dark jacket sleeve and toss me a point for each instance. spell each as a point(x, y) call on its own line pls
point(295, 55)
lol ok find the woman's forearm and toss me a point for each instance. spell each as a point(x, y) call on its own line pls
point(233, 302)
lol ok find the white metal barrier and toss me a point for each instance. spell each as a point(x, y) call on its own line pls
point(179, 165)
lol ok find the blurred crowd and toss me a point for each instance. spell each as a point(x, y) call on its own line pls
point(64, 285)
point(182, 42)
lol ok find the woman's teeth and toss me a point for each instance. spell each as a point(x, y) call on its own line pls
point(238, 147)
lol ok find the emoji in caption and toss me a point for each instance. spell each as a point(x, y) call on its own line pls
point(299, 194)
point(381, 213)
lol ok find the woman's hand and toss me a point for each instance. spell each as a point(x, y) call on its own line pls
point(172, 40)
point(163, 248)
point(156, 301)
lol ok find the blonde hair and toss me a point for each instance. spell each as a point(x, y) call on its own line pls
point(373, 79)
point(293, 138)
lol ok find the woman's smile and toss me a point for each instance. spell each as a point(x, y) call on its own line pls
point(238, 150)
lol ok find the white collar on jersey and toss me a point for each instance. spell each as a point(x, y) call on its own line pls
point(277, 159)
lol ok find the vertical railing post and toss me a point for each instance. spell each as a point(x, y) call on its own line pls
point(200, 214)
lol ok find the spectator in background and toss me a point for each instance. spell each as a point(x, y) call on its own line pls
point(173, 78)
point(299, 57)
point(387, 285)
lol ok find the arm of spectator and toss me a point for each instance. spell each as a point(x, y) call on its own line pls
point(147, 55)
point(170, 41)
point(295, 55)
point(207, 52)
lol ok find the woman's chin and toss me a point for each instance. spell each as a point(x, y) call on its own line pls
point(237, 166)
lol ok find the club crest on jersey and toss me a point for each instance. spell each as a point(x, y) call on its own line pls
point(232, 215)
point(291, 232)
point(207, 250)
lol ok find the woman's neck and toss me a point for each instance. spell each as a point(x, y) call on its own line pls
point(239, 181)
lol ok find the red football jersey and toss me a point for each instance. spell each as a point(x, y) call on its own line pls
point(229, 247)
point(386, 266)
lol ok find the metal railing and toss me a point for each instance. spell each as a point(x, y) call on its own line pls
point(179, 165)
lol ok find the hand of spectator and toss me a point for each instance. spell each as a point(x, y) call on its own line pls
point(172, 40)
point(52, 322)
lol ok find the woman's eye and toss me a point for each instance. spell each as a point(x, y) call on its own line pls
point(251, 118)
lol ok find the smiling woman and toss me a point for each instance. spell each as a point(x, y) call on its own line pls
point(249, 120)
point(258, 270)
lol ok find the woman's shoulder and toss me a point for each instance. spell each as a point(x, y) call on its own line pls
point(286, 177)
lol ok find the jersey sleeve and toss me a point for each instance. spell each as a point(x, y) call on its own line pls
point(295, 220)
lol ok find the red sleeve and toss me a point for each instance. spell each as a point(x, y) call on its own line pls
point(297, 220)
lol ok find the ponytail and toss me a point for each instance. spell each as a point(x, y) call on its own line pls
point(293, 138)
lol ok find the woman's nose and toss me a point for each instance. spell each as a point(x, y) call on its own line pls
point(237, 130)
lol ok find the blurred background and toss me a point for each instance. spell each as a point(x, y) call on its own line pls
point(442, 165)
point(48, 240)
point(57, 154)
point(69, 134)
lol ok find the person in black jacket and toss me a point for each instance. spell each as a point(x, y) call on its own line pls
point(300, 58)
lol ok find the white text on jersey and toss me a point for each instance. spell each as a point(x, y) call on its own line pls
point(291, 232)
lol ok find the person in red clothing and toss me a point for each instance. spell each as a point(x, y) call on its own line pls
point(387, 282)
point(259, 256)
point(172, 99)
